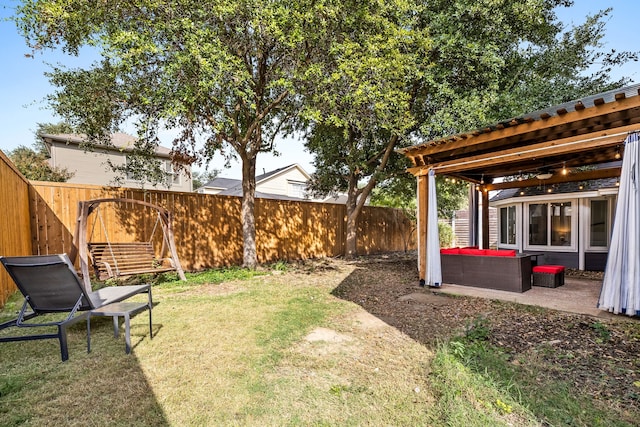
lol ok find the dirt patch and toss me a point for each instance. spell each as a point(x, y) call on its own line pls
point(598, 356)
point(328, 335)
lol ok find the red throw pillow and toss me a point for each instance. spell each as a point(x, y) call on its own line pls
point(465, 251)
point(503, 252)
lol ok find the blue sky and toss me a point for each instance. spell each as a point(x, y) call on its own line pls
point(24, 85)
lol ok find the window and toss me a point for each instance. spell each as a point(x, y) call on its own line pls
point(538, 224)
point(561, 224)
point(297, 189)
point(599, 224)
point(550, 224)
point(132, 166)
point(508, 225)
point(172, 176)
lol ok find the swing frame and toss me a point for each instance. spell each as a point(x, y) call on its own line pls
point(141, 252)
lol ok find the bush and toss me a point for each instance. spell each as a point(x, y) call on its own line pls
point(446, 234)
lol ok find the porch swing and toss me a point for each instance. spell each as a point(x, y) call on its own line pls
point(117, 260)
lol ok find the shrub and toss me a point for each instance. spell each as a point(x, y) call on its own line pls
point(447, 236)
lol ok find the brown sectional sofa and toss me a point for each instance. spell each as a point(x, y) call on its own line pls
point(485, 268)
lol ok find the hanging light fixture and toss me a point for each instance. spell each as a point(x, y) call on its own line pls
point(482, 179)
point(617, 156)
point(544, 175)
point(564, 169)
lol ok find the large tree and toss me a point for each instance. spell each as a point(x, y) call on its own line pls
point(455, 65)
point(222, 72)
point(33, 162)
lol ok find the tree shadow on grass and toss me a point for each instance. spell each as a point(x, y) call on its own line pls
point(387, 287)
point(104, 387)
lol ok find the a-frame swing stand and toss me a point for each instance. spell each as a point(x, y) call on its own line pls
point(118, 259)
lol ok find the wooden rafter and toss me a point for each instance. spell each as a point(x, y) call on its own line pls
point(561, 147)
point(557, 179)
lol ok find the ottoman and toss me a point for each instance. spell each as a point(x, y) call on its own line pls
point(550, 276)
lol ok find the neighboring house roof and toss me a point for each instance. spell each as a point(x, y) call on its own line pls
point(229, 182)
point(222, 183)
point(119, 140)
point(563, 188)
point(340, 199)
point(280, 171)
point(233, 187)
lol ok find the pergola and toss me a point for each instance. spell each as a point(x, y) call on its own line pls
point(545, 144)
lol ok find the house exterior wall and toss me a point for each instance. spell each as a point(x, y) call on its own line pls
point(568, 259)
point(577, 252)
point(595, 261)
point(283, 183)
point(91, 167)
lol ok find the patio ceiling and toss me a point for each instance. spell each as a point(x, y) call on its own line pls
point(586, 132)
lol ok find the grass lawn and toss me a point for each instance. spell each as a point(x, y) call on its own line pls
point(271, 348)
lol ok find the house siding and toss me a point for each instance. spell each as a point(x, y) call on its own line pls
point(580, 256)
point(91, 167)
point(567, 259)
point(279, 184)
point(595, 261)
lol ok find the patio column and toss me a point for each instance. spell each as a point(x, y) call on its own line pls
point(485, 219)
point(423, 205)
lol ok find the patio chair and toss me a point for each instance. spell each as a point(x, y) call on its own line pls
point(49, 284)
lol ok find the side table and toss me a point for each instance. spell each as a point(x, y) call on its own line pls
point(115, 310)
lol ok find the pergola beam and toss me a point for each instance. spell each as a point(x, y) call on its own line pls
point(557, 179)
point(561, 147)
point(470, 140)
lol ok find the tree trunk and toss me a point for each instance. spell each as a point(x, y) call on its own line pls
point(353, 210)
point(249, 254)
point(356, 198)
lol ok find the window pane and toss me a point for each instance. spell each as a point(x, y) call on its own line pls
point(538, 224)
point(598, 227)
point(297, 189)
point(561, 224)
point(512, 225)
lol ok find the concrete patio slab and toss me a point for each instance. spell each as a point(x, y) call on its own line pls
point(576, 296)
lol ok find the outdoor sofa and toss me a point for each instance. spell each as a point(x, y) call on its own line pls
point(504, 270)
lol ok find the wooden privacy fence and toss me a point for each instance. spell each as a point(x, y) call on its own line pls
point(207, 228)
point(40, 218)
point(15, 232)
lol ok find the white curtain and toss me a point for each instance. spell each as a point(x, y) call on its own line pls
point(620, 291)
point(434, 269)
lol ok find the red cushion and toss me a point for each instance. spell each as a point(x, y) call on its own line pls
point(465, 251)
point(550, 269)
point(470, 247)
point(502, 252)
point(450, 251)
